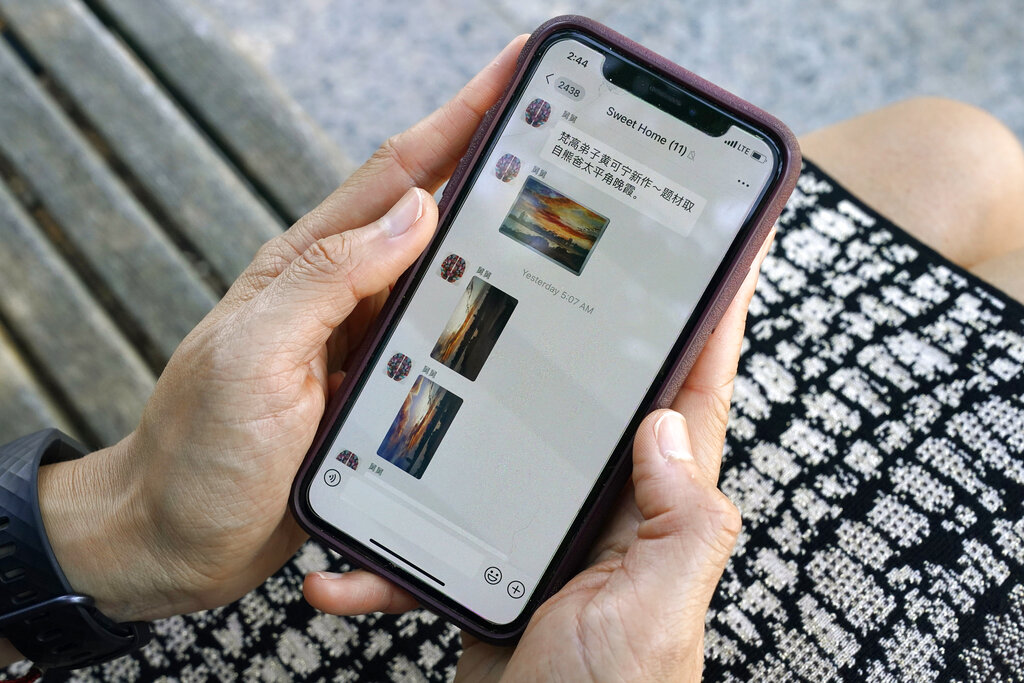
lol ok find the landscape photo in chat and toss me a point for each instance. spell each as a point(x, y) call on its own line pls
point(553, 225)
point(420, 426)
point(473, 328)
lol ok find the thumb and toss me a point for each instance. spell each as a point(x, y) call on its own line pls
point(320, 288)
point(689, 527)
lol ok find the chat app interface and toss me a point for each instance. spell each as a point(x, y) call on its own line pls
point(575, 261)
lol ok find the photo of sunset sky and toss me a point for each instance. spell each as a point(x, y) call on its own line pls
point(553, 225)
point(419, 427)
point(473, 328)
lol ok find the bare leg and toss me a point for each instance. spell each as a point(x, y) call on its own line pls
point(946, 172)
point(1005, 272)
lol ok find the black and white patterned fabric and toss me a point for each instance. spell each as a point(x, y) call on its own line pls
point(876, 450)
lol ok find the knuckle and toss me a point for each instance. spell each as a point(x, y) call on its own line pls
point(725, 515)
point(326, 256)
point(391, 152)
point(386, 151)
point(268, 251)
point(719, 396)
point(270, 260)
point(321, 219)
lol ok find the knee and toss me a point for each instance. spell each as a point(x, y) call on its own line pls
point(974, 147)
point(982, 182)
point(948, 172)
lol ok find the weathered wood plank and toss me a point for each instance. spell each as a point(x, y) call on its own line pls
point(198, 192)
point(272, 139)
point(117, 239)
point(102, 377)
point(24, 406)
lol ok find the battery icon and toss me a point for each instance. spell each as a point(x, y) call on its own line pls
point(757, 156)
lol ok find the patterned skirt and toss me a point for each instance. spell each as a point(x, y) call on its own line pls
point(875, 450)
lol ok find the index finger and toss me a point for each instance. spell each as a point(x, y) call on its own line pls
point(422, 156)
point(707, 391)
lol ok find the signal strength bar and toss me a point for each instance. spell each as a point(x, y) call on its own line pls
point(732, 143)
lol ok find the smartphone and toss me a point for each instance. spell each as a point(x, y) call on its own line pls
point(588, 243)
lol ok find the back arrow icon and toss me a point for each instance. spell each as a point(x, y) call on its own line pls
point(548, 78)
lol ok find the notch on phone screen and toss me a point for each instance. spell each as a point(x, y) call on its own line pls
point(666, 96)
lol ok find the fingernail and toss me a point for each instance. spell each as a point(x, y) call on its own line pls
point(328, 576)
point(673, 441)
point(403, 214)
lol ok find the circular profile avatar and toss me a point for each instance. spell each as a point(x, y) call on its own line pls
point(507, 167)
point(537, 113)
point(349, 459)
point(453, 267)
point(399, 367)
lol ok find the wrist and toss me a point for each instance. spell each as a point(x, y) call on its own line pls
point(98, 525)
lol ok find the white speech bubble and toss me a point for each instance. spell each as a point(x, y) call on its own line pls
point(623, 177)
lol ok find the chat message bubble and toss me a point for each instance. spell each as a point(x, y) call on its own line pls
point(623, 177)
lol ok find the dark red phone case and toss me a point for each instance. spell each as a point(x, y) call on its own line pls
point(730, 277)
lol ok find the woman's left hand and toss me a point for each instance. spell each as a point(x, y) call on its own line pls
point(190, 510)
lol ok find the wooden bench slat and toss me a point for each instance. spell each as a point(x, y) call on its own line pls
point(179, 168)
point(118, 240)
point(103, 378)
point(24, 406)
point(287, 155)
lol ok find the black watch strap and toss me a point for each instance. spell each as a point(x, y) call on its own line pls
point(39, 612)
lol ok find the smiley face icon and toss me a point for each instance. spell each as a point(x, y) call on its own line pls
point(492, 575)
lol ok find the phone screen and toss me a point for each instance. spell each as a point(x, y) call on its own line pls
point(534, 332)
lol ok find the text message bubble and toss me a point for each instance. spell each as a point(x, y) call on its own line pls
point(619, 175)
